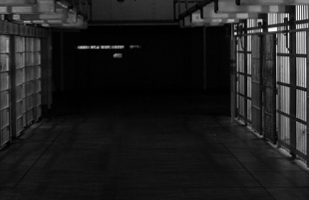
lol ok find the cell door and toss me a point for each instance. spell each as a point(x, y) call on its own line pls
point(269, 87)
point(256, 83)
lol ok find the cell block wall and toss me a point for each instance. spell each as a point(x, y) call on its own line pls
point(33, 79)
point(291, 78)
point(4, 90)
point(20, 101)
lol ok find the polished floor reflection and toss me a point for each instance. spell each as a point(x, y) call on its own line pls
point(146, 145)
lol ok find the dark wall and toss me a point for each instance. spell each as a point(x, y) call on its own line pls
point(218, 58)
point(169, 58)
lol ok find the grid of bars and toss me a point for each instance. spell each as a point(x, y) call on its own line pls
point(33, 79)
point(283, 84)
point(37, 79)
point(20, 84)
point(24, 94)
point(301, 81)
point(292, 84)
point(4, 90)
point(241, 79)
point(244, 73)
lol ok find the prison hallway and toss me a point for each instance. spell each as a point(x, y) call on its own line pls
point(146, 145)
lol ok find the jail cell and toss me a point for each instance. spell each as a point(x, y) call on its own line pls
point(29, 82)
point(256, 84)
point(20, 101)
point(4, 90)
point(241, 77)
point(264, 86)
point(301, 82)
point(292, 86)
point(283, 84)
point(243, 73)
point(269, 87)
point(37, 79)
point(33, 79)
point(250, 24)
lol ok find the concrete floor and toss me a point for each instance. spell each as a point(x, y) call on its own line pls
point(146, 146)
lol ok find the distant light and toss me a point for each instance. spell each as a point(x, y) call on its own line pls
point(94, 47)
point(117, 55)
point(100, 47)
point(135, 46)
point(83, 47)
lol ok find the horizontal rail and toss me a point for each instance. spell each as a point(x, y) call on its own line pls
point(292, 86)
point(292, 117)
point(292, 55)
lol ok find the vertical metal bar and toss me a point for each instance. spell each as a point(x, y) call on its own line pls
point(12, 88)
point(233, 73)
point(246, 74)
point(307, 78)
point(293, 80)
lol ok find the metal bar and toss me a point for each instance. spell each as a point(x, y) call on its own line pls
point(233, 73)
point(195, 8)
point(292, 86)
point(246, 76)
point(290, 31)
point(307, 79)
point(13, 87)
point(293, 79)
point(241, 73)
point(293, 55)
point(291, 117)
point(242, 95)
point(276, 26)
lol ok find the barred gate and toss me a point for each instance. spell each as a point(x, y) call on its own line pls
point(5, 133)
point(292, 86)
point(276, 84)
point(33, 79)
point(241, 77)
point(244, 76)
point(256, 84)
point(264, 86)
point(269, 87)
